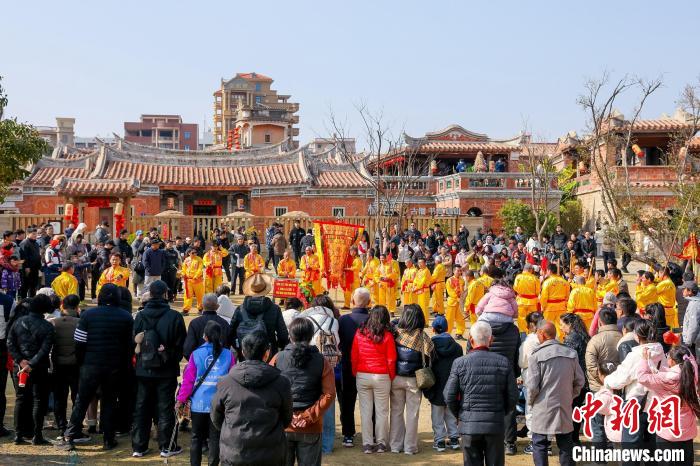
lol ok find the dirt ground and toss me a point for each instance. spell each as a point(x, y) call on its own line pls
point(91, 453)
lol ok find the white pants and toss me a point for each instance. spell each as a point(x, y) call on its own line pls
point(444, 423)
point(373, 392)
point(405, 397)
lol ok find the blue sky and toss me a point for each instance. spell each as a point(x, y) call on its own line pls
point(487, 66)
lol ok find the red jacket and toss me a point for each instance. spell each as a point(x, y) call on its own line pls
point(373, 358)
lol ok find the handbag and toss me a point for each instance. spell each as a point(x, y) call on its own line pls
point(185, 411)
point(425, 378)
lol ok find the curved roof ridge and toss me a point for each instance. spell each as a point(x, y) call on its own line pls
point(152, 149)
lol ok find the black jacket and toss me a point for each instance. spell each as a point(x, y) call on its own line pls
point(31, 338)
point(252, 407)
point(578, 343)
point(506, 342)
point(347, 327)
point(408, 361)
point(446, 351)
point(625, 348)
point(154, 261)
point(30, 253)
point(463, 239)
point(480, 391)
point(171, 333)
point(241, 250)
point(559, 241)
point(103, 337)
point(272, 317)
point(172, 260)
point(195, 332)
point(125, 250)
point(306, 380)
point(295, 237)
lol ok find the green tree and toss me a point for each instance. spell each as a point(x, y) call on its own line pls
point(20, 146)
point(571, 215)
point(516, 213)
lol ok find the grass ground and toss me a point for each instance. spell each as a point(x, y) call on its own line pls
point(92, 453)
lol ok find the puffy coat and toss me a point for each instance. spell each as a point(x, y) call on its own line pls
point(104, 337)
point(480, 391)
point(272, 317)
point(373, 358)
point(306, 380)
point(408, 361)
point(447, 350)
point(31, 338)
point(500, 300)
point(506, 342)
point(63, 352)
point(625, 376)
point(195, 332)
point(171, 330)
point(251, 407)
point(601, 347)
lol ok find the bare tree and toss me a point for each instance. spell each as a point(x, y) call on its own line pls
point(392, 168)
point(608, 147)
point(536, 161)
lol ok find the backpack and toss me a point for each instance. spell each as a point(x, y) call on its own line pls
point(327, 345)
point(149, 356)
point(248, 325)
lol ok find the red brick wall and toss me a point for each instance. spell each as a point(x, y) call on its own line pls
point(314, 206)
point(145, 205)
point(33, 204)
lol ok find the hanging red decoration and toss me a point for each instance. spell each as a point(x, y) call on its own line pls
point(229, 141)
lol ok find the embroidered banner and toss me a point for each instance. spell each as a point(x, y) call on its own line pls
point(333, 242)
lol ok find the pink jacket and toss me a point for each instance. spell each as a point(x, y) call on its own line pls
point(499, 299)
point(663, 384)
point(605, 395)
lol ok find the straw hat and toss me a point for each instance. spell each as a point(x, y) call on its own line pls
point(259, 284)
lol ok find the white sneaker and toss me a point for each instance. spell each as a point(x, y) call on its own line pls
point(168, 453)
point(139, 454)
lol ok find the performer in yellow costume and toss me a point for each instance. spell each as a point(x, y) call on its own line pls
point(353, 269)
point(438, 286)
point(475, 291)
point(421, 288)
point(65, 283)
point(666, 291)
point(287, 268)
point(387, 278)
point(115, 274)
point(368, 273)
point(407, 283)
point(646, 292)
point(213, 271)
point(193, 280)
point(554, 296)
point(582, 301)
point(527, 287)
point(455, 291)
point(253, 262)
point(602, 286)
point(310, 266)
point(485, 278)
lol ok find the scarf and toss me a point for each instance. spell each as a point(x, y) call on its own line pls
point(417, 340)
point(5, 264)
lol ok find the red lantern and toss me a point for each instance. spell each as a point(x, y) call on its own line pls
point(229, 140)
point(68, 212)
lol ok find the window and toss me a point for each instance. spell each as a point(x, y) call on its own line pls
point(268, 138)
point(187, 134)
point(279, 211)
point(187, 147)
point(449, 184)
point(338, 212)
point(258, 87)
point(60, 210)
point(258, 99)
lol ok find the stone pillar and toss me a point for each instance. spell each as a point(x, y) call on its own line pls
point(229, 204)
point(181, 202)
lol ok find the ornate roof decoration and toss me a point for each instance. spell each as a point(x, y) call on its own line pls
point(455, 138)
point(96, 187)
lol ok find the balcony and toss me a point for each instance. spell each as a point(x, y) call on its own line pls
point(489, 184)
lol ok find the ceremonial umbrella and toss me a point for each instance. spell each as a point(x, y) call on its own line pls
point(295, 214)
point(169, 215)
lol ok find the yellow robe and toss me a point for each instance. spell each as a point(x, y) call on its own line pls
point(356, 271)
point(117, 275)
point(287, 268)
point(527, 286)
point(439, 273)
point(475, 291)
point(214, 272)
point(455, 318)
point(407, 285)
point(582, 301)
point(387, 279)
point(368, 282)
point(486, 280)
point(553, 299)
point(193, 280)
point(253, 263)
point(645, 295)
point(666, 291)
point(65, 284)
point(421, 291)
point(310, 266)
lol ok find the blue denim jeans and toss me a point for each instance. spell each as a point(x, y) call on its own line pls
point(328, 435)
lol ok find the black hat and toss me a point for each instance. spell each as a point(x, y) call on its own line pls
point(157, 289)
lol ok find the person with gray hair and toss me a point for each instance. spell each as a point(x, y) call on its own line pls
point(347, 389)
point(195, 331)
point(480, 391)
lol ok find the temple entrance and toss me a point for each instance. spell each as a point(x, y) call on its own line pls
point(207, 210)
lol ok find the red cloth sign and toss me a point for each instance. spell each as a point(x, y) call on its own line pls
point(285, 288)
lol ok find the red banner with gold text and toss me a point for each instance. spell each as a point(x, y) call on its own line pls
point(333, 242)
